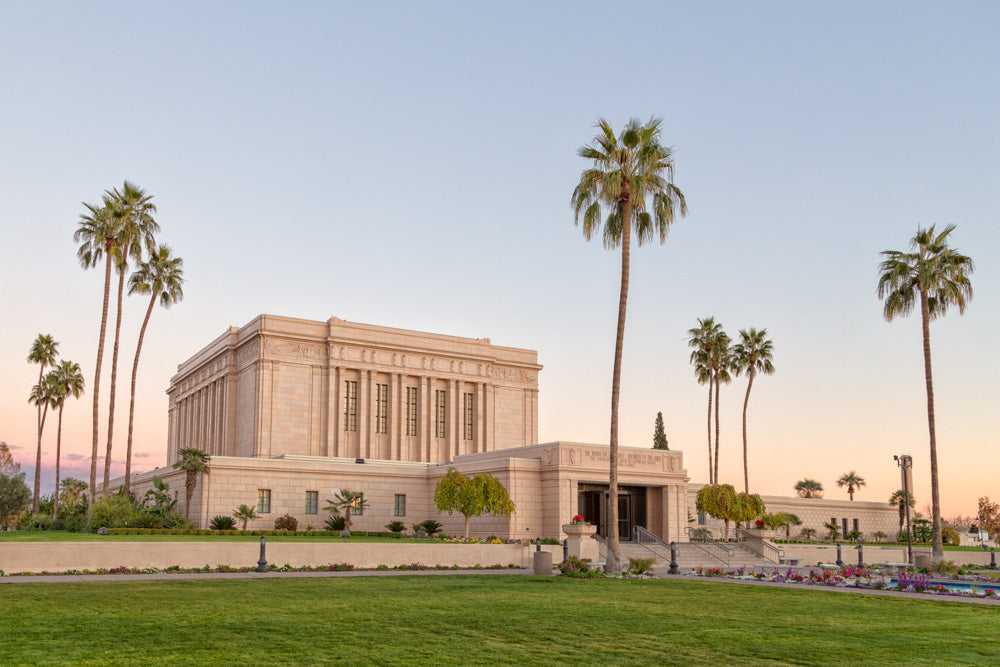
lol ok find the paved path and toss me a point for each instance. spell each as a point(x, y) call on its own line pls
point(165, 576)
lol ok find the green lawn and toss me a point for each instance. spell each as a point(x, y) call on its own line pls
point(472, 620)
point(64, 536)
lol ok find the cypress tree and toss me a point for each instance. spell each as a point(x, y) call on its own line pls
point(659, 436)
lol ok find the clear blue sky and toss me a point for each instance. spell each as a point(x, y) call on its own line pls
point(411, 165)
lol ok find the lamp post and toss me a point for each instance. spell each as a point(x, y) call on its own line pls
point(905, 463)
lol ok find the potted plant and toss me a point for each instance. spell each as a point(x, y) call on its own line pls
point(579, 527)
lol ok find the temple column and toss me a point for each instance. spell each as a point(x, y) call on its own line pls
point(424, 427)
point(453, 441)
point(362, 418)
point(490, 417)
point(395, 417)
point(480, 404)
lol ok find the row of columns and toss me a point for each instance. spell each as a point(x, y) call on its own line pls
point(201, 420)
point(396, 444)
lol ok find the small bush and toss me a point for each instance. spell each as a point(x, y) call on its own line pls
point(549, 540)
point(223, 523)
point(395, 526)
point(430, 526)
point(286, 522)
point(114, 512)
point(335, 522)
point(574, 565)
point(946, 567)
point(640, 565)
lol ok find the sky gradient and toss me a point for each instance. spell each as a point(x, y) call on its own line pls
point(411, 166)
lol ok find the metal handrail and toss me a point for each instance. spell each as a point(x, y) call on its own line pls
point(760, 546)
point(712, 549)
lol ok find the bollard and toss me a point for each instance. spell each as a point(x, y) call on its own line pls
point(262, 563)
point(673, 559)
point(993, 559)
point(542, 563)
point(538, 544)
point(861, 555)
point(840, 561)
point(565, 549)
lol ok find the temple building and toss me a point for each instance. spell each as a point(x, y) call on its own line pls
point(292, 411)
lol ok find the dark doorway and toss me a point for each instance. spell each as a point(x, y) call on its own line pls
point(593, 505)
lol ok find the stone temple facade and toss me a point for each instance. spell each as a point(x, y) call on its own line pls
point(292, 410)
point(281, 386)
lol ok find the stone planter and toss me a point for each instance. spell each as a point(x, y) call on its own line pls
point(578, 542)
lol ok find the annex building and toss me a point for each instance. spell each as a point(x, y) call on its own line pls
point(294, 410)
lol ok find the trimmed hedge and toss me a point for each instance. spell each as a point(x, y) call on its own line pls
point(205, 531)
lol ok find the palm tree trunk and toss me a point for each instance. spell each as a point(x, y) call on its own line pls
point(38, 462)
point(717, 383)
point(937, 545)
point(114, 373)
point(746, 402)
point(189, 481)
point(97, 376)
point(131, 402)
point(616, 377)
point(55, 500)
point(711, 477)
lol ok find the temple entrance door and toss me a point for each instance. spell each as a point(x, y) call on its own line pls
point(592, 504)
point(626, 524)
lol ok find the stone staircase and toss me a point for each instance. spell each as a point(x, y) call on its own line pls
point(690, 556)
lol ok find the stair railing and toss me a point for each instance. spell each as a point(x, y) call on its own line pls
point(712, 549)
point(760, 546)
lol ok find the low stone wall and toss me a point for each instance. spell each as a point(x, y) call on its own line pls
point(811, 555)
point(62, 556)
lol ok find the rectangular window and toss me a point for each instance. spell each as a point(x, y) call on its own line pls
point(411, 411)
point(381, 408)
point(312, 502)
point(351, 406)
point(468, 416)
point(400, 505)
point(358, 506)
point(263, 501)
point(844, 525)
point(439, 412)
point(855, 525)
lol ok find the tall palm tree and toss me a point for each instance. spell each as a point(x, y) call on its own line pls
point(721, 360)
point(135, 209)
point(629, 187)
point(43, 352)
point(193, 461)
point(161, 277)
point(753, 354)
point(97, 234)
point(701, 338)
point(808, 488)
point(68, 381)
point(932, 276)
point(853, 481)
point(42, 395)
point(899, 499)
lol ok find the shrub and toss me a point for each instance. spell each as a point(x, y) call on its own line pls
point(640, 565)
point(946, 567)
point(550, 540)
point(223, 523)
point(430, 526)
point(335, 522)
point(113, 512)
point(395, 526)
point(40, 522)
point(286, 522)
point(574, 564)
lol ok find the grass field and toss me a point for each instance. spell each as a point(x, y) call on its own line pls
point(468, 620)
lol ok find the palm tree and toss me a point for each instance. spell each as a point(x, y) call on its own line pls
point(43, 352)
point(721, 361)
point(98, 234)
point(833, 530)
point(161, 277)
point(135, 209)
point(245, 513)
point(935, 276)
point(701, 338)
point(853, 481)
point(630, 184)
point(808, 533)
point(72, 489)
point(897, 500)
point(808, 488)
point(42, 395)
point(68, 381)
point(753, 354)
point(347, 500)
point(193, 461)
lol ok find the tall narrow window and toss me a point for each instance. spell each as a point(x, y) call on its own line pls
point(263, 501)
point(400, 505)
point(439, 412)
point(351, 406)
point(358, 505)
point(381, 408)
point(855, 523)
point(468, 416)
point(411, 411)
point(312, 502)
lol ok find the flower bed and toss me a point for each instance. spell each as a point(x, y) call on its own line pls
point(866, 578)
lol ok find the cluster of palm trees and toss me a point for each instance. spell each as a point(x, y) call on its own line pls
point(121, 233)
point(810, 488)
point(64, 381)
point(716, 362)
